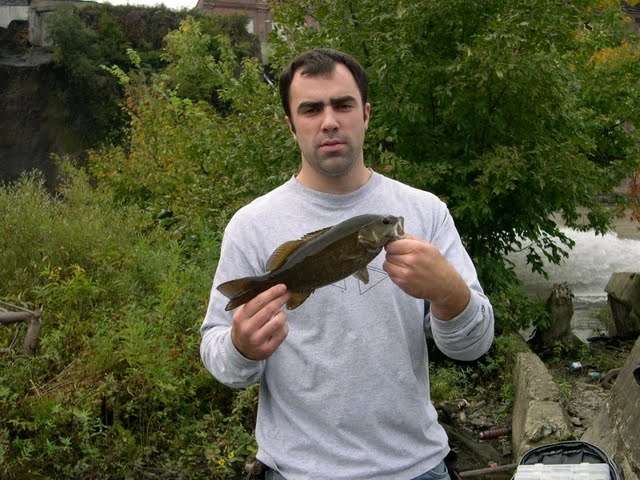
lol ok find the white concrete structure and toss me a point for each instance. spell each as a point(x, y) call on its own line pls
point(11, 10)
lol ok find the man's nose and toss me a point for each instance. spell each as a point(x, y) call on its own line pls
point(329, 120)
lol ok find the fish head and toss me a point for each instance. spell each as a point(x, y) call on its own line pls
point(380, 231)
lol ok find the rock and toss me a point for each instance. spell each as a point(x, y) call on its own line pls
point(616, 428)
point(623, 293)
point(538, 416)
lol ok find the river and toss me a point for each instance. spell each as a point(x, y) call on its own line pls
point(587, 271)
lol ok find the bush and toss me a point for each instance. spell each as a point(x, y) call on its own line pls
point(117, 387)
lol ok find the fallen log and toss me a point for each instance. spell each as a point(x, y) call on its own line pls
point(8, 318)
point(33, 321)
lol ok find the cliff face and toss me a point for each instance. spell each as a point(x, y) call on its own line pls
point(35, 117)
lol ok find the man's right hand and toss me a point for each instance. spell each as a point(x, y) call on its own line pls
point(260, 326)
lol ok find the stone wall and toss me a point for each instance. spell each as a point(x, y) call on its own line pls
point(617, 427)
point(538, 415)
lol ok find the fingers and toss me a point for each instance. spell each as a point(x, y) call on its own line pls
point(405, 253)
point(265, 305)
point(414, 265)
point(406, 244)
point(259, 326)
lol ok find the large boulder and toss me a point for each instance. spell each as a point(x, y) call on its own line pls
point(623, 292)
point(616, 428)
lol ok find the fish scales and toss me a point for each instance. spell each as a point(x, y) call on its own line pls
point(349, 256)
point(319, 258)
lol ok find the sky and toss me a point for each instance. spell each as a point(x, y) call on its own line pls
point(172, 4)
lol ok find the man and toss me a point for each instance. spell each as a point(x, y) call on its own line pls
point(344, 388)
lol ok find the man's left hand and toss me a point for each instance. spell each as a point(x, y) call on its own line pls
point(419, 269)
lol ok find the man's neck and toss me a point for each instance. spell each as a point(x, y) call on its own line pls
point(340, 185)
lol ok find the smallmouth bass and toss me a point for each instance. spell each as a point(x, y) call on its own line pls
point(319, 259)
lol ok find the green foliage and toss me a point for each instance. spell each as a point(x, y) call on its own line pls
point(449, 383)
point(488, 379)
point(186, 162)
point(515, 310)
point(496, 369)
point(99, 34)
point(191, 65)
point(510, 111)
point(80, 51)
point(191, 54)
point(493, 107)
point(117, 388)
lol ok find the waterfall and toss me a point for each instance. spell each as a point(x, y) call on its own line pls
point(587, 271)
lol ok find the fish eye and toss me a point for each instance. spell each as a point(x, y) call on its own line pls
point(386, 221)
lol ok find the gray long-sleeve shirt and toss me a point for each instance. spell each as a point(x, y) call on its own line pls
point(346, 396)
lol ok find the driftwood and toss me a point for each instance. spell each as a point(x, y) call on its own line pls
point(491, 471)
point(559, 304)
point(609, 378)
point(483, 450)
point(33, 321)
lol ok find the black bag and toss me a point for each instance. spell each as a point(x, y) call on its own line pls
point(570, 453)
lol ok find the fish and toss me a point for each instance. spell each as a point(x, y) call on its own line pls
point(318, 259)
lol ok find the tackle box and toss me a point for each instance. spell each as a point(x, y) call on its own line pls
point(582, 471)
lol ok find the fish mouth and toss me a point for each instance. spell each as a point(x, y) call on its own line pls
point(386, 229)
point(398, 226)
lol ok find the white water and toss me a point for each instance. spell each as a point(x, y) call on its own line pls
point(587, 271)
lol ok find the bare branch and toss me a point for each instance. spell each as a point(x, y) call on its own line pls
point(15, 307)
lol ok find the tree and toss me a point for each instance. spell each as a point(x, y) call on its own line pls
point(501, 108)
point(188, 161)
point(79, 51)
point(497, 106)
point(190, 61)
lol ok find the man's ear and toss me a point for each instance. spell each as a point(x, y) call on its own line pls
point(367, 114)
point(291, 126)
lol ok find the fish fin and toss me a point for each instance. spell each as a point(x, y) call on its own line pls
point(297, 299)
point(280, 254)
point(362, 275)
point(240, 291)
point(311, 235)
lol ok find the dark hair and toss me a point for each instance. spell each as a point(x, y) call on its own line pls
point(321, 61)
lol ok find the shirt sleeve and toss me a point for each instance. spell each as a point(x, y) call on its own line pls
point(219, 355)
point(469, 335)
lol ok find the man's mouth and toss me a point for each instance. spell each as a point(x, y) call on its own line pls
point(331, 145)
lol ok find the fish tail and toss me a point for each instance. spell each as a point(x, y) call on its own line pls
point(242, 290)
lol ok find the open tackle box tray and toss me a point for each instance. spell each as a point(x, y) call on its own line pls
point(570, 460)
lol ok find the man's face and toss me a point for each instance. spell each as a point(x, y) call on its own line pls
point(328, 121)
